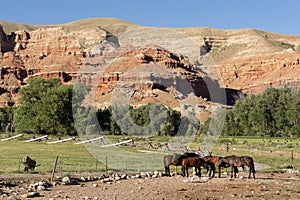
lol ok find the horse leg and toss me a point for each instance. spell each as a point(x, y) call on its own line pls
point(199, 171)
point(167, 171)
point(210, 173)
point(187, 172)
point(236, 171)
point(232, 169)
point(213, 168)
point(251, 169)
point(219, 168)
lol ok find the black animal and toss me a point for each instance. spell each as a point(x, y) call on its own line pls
point(29, 163)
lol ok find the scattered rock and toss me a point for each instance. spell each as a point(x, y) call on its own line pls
point(195, 179)
point(123, 176)
point(13, 198)
point(137, 176)
point(205, 179)
point(248, 195)
point(31, 195)
point(66, 180)
point(41, 187)
point(143, 175)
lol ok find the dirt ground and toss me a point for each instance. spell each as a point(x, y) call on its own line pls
point(267, 185)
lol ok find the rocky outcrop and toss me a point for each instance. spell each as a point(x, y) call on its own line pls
point(46, 53)
point(254, 75)
point(5, 44)
point(245, 60)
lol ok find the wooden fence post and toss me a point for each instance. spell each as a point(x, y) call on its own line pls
point(97, 163)
point(227, 147)
point(61, 167)
point(106, 167)
point(54, 168)
point(19, 167)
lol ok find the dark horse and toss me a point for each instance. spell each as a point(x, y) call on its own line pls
point(196, 162)
point(177, 159)
point(215, 161)
point(29, 163)
point(237, 161)
point(171, 160)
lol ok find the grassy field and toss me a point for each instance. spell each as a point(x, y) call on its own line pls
point(276, 153)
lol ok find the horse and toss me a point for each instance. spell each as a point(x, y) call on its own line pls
point(176, 160)
point(196, 162)
point(215, 161)
point(29, 163)
point(237, 161)
point(171, 160)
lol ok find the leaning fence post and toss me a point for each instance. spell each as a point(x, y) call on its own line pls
point(292, 155)
point(97, 163)
point(19, 167)
point(61, 167)
point(227, 146)
point(106, 171)
point(54, 167)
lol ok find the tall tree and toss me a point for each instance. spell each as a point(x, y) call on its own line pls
point(273, 113)
point(45, 107)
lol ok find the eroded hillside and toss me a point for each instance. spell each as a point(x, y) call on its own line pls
point(246, 60)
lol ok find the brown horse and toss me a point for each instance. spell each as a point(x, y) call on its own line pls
point(237, 161)
point(215, 161)
point(196, 162)
point(175, 159)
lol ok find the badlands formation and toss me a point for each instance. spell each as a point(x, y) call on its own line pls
point(105, 52)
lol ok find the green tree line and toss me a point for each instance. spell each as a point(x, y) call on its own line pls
point(275, 113)
point(46, 106)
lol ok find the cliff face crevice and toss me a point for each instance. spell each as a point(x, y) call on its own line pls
point(5, 43)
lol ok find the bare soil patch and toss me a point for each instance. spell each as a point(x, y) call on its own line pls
point(267, 185)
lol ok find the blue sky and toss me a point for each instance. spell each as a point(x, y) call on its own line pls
point(268, 15)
